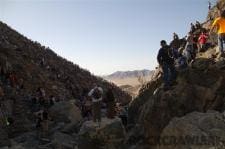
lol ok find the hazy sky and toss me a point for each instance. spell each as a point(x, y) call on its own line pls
point(103, 36)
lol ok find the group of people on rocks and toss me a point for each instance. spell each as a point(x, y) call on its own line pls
point(95, 104)
point(40, 104)
point(182, 52)
point(9, 82)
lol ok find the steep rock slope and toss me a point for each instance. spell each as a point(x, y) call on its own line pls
point(37, 66)
point(199, 88)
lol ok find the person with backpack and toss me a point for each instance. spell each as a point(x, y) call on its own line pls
point(42, 120)
point(175, 45)
point(96, 95)
point(166, 61)
point(189, 51)
point(219, 24)
point(110, 103)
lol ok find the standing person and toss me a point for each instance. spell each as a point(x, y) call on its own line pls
point(202, 41)
point(175, 45)
point(110, 102)
point(189, 49)
point(209, 5)
point(166, 61)
point(38, 125)
point(219, 24)
point(96, 95)
point(198, 25)
point(192, 28)
point(42, 120)
point(45, 122)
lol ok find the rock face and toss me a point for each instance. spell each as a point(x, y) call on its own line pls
point(62, 140)
point(195, 130)
point(199, 88)
point(110, 135)
point(65, 111)
point(36, 66)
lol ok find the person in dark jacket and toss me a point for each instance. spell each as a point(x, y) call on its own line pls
point(110, 102)
point(166, 61)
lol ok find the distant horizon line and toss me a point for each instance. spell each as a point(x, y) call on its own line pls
point(125, 71)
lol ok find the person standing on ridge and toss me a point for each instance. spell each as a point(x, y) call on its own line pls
point(166, 61)
point(209, 5)
point(96, 95)
point(219, 24)
point(110, 102)
point(202, 39)
point(175, 45)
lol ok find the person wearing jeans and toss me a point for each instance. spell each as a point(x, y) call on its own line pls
point(221, 42)
point(169, 74)
point(166, 61)
point(219, 24)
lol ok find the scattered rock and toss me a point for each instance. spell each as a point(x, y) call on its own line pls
point(195, 130)
point(111, 134)
point(65, 111)
point(62, 140)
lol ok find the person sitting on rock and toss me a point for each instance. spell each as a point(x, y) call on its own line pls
point(96, 95)
point(219, 24)
point(110, 103)
point(166, 62)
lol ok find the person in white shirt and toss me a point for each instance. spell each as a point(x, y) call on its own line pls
point(96, 95)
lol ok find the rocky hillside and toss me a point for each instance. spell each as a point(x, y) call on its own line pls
point(193, 107)
point(34, 66)
point(39, 66)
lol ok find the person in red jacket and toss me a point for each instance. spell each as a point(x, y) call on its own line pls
point(202, 41)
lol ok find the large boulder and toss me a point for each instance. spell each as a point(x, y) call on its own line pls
point(195, 130)
point(62, 140)
point(200, 88)
point(66, 112)
point(4, 140)
point(110, 135)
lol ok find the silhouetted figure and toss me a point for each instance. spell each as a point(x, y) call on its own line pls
point(209, 5)
point(110, 103)
point(166, 61)
point(96, 95)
